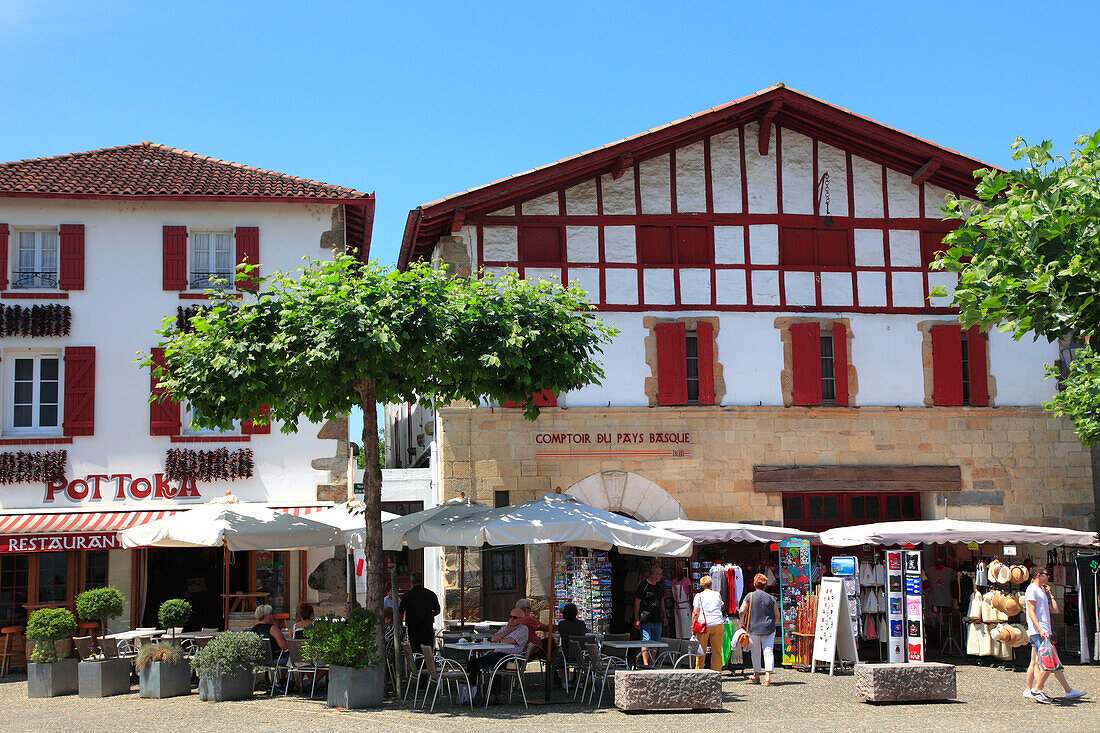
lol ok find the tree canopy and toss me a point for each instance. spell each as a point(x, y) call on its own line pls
point(1028, 257)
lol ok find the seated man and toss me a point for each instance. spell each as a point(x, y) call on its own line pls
point(515, 633)
point(533, 624)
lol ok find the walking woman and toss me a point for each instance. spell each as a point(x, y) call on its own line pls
point(706, 614)
point(758, 619)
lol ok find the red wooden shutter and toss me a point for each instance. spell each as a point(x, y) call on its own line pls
point(796, 247)
point(655, 246)
point(71, 260)
point(545, 398)
point(977, 358)
point(806, 363)
point(250, 428)
point(832, 247)
point(672, 386)
point(840, 363)
point(79, 390)
point(947, 387)
point(164, 416)
point(175, 258)
point(540, 244)
point(704, 339)
point(248, 247)
point(693, 246)
point(3, 256)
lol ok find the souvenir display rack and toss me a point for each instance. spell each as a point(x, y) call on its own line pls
point(583, 577)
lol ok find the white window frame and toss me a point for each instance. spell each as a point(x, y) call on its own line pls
point(37, 231)
point(10, 356)
point(186, 412)
point(194, 265)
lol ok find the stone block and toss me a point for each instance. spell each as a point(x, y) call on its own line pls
point(905, 682)
point(669, 689)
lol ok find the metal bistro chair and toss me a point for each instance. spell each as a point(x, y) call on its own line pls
point(299, 665)
point(440, 670)
point(513, 667)
point(413, 670)
point(677, 652)
point(109, 647)
point(601, 666)
point(83, 646)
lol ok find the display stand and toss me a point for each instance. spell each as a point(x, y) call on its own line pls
point(794, 587)
point(834, 637)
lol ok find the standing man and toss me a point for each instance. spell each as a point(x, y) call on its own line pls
point(1040, 604)
point(649, 609)
point(418, 608)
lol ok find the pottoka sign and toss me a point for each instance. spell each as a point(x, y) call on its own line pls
point(120, 487)
point(60, 542)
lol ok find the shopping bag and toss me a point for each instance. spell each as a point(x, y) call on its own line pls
point(1048, 656)
point(975, 610)
point(973, 645)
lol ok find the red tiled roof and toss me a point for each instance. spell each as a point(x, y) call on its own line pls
point(151, 171)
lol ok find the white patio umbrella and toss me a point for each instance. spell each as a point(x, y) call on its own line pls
point(934, 531)
point(706, 533)
point(234, 526)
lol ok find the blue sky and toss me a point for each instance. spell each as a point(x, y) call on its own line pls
point(415, 101)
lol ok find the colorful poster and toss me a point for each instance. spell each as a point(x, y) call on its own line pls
point(914, 615)
point(895, 612)
point(794, 586)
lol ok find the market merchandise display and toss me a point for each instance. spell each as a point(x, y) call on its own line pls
point(794, 588)
point(872, 601)
point(583, 577)
point(990, 634)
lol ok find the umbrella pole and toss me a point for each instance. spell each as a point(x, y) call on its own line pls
point(225, 581)
point(462, 585)
point(550, 632)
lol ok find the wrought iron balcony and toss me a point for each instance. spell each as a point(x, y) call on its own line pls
point(32, 279)
point(203, 281)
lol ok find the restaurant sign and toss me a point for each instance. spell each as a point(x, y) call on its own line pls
point(119, 487)
point(60, 542)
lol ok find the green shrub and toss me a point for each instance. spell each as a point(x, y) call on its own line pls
point(162, 651)
point(100, 604)
point(45, 626)
point(229, 652)
point(174, 612)
point(349, 642)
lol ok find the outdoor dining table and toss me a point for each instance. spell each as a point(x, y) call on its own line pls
point(478, 646)
point(634, 644)
point(135, 633)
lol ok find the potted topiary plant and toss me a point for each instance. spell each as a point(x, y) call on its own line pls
point(356, 677)
point(48, 674)
point(162, 671)
point(101, 677)
point(226, 666)
point(174, 613)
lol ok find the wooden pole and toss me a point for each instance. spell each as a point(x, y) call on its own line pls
point(462, 584)
point(225, 580)
point(549, 681)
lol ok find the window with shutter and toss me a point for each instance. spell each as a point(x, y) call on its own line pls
point(655, 245)
point(840, 363)
point(545, 398)
point(693, 246)
point(540, 245)
point(250, 428)
point(977, 368)
point(805, 247)
point(947, 365)
point(672, 375)
point(806, 364)
point(4, 234)
point(79, 398)
point(164, 413)
point(175, 257)
point(72, 257)
point(704, 337)
point(33, 392)
point(796, 247)
point(248, 249)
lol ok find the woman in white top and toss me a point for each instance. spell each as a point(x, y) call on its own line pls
point(707, 608)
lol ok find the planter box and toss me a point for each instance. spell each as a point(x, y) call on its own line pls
point(51, 680)
point(222, 687)
point(161, 679)
point(105, 677)
point(356, 688)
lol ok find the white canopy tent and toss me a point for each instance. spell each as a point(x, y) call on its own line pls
point(234, 526)
point(934, 531)
point(708, 533)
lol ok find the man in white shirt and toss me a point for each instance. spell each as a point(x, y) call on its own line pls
point(1040, 604)
point(515, 633)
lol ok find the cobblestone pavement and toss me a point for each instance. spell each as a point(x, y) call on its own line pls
point(988, 699)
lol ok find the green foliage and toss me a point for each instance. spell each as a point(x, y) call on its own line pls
point(1080, 395)
point(100, 604)
point(174, 612)
point(162, 651)
point(350, 642)
point(1034, 239)
point(45, 626)
point(229, 652)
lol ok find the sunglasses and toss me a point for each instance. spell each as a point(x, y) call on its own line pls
point(514, 616)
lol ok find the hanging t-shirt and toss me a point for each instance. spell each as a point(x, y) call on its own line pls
point(739, 576)
point(939, 582)
point(718, 580)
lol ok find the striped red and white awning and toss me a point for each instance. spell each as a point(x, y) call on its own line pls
point(55, 522)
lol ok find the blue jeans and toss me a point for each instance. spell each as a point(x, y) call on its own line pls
point(651, 630)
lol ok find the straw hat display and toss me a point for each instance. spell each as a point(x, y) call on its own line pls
point(999, 572)
point(1018, 574)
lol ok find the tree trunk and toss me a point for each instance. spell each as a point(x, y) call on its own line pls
point(372, 501)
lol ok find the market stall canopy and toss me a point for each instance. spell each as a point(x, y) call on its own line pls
point(935, 531)
point(241, 526)
point(557, 519)
point(706, 533)
point(404, 531)
point(346, 517)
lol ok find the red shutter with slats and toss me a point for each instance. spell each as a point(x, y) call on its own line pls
point(977, 357)
point(250, 428)
point(3, 256)
point(654, 246)
point(540, 245)
point(704, 338)
point(71, 260)
point(248, 248)
point(79, 391)
point(693, 246)
point(164, 415)
point(806, 363)
point(545, 398)
point(840, 363)
point(671, 364)
point(175, 258)
point(947, 387)
point(796, 247)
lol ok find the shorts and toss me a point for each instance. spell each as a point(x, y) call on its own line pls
point(651, 630)
point(1036, 641)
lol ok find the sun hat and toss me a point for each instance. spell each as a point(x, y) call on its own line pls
point(1011, 606)
point(1018, 574)
point(1001, 573)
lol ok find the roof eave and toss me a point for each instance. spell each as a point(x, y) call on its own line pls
point(195, 198)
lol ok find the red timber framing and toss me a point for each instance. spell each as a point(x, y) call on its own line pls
point(784, 109)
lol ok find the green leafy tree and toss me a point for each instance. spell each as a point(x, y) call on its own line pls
point(100, 604)
point(1028, 257)
point(342, 334)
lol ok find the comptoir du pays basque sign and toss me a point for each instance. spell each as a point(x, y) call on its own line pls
point(119, 487)
point(599, 444)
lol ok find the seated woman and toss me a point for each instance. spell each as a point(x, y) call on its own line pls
point(305, 620)
point(266, 628)
point(570, 625)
